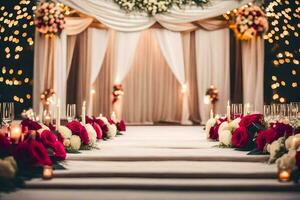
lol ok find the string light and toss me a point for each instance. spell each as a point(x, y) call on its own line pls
point(282, 40)
point(16, 40)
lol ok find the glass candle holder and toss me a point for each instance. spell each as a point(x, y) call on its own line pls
point(284, 175)
point(47, 172)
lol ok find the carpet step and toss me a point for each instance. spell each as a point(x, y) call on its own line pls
point(164, 184)
point(167, 169)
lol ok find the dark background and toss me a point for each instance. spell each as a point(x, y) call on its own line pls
point(21, 93)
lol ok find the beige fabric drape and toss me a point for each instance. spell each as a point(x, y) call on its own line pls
point(43, 72)
point(75, 25)
point(191, 77)
point(71, 41)
point(104, 83)
point(207, 24)
point(152, 92)
point(253, 73)
point(51, 59)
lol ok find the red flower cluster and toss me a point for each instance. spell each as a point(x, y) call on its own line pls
point(78, 129)
point(268, 136)
point(96, 126)
point(30, 125)
point(240, 137)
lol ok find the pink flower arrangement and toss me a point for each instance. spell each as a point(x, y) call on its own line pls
point(49, 19)
point(250, 21)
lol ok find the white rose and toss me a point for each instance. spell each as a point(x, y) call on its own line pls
point(209, 124)
point(65, 132)
point(293, 142)
point(224, 126)
point(67, 142)
point(92, 134)
point(112, 130)
point(225, 137)
point(288, 160)
point(234, 124)
point(8, 168)
point(104, 119)
point(274, 148)
point(75, 142)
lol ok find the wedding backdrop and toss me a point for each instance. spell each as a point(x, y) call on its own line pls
point(164, 62)
point(115, 80)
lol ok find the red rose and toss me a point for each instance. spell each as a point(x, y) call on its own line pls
point(240, 137)
point(265, 137)
point(89, 120)
point(32, 153)
point(30, 124)
point(98, 130)
point(282, 129)
point(5, 147)
point(298, 159)
point(77, 129)
point(48, 138)
point(213, 133)
point(102, 125)
point(121, 126)
point(59, 151)
point(60, 137)
point(248, 120)
point(110, 121)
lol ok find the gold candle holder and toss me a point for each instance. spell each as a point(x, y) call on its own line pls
point(47, 172)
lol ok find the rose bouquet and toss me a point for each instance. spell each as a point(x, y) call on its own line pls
point(49, 18)
point(250, 21)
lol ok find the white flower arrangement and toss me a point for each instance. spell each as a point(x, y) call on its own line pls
point(49, 18)
point(225, 138)
point(8, 168)
point(65, 132)
point(209, 124)
point(153, 7)
point(92, 134)
point(112, 130)
point(75, 142)
point(288, 160)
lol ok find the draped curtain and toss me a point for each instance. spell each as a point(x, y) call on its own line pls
point(110, 14)
point(51, 65)
point(97, 39)
point(152, 92)
point(212, 56)
point(171, 46)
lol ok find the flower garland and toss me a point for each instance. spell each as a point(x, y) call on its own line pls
point(49, 19)
point(279, 139)
point(117, 92)
point(153, 7)
point(249, 21)
point(39, 145)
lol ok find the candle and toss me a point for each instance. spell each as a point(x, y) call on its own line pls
point(15, 132)
point(228, 111)
point(113, 116)
point(247, 109)
point(83, 112)
point(211, 113)
point(58, 114)
point(284, 175)
point(47, 172)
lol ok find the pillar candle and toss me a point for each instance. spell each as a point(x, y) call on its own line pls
point(83, 112)
point(228, 111)
point(211, 113)
point(58, 114)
